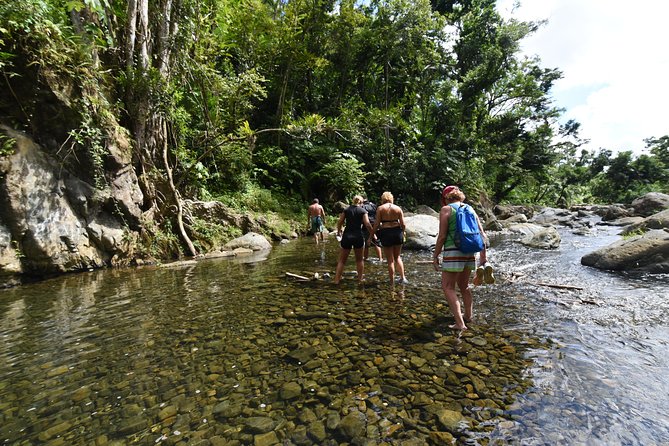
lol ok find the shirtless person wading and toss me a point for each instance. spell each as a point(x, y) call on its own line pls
point(316, 220)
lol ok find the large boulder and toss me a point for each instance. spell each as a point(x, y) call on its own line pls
point(648, 252)
point(614, 212)
point(421, 231)
point(650, 203)
point(503, 212)
point(251, 241)
point(536, 236)
point(513, 220)
point(426, 210)
point(554, 216)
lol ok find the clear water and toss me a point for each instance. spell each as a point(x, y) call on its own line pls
point(144, 356)
point(604, 381)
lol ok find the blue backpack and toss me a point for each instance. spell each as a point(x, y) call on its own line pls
point(467, 237)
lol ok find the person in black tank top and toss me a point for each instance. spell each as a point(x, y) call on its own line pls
point(370, 207)
point(353, 218)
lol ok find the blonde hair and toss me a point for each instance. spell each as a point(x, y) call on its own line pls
point(452, 197)
point(387, 197)
point(357, 200)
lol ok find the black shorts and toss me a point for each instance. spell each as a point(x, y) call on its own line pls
point(365, 234)
point(391, 236)
point(349, 241)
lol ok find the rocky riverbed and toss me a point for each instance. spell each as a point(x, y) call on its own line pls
point(232, 352)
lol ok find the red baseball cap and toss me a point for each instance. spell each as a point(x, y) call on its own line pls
point(448, 190)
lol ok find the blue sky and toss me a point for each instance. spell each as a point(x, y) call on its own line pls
point(615, 64)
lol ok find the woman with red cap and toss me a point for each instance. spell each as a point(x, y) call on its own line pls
point(455, 266)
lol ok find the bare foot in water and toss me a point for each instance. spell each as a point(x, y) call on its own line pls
point(455, 327)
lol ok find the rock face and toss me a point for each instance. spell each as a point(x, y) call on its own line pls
point(648, 252)
point(52, 222)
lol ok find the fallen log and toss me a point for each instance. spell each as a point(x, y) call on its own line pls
point(296, 276)
point(554, 285)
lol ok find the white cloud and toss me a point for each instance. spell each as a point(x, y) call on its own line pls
point(614, 61)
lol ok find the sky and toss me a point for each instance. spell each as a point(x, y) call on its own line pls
point(614, 57)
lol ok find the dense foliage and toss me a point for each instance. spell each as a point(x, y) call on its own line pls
point(306, 98)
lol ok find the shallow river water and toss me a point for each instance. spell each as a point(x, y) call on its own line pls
point(231, 352)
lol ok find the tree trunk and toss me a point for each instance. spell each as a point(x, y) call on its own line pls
point(164, 39)
point(131, 34)
point(175, 195)
point(145, 35)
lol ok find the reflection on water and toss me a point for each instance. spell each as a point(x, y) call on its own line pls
point(231, 352)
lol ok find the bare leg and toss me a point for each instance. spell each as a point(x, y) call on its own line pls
point(448, 281)
point(343, 255)
point(466, 292)
point(397, 254)
point(378, 253)
point(391, 263)
point(359, 264)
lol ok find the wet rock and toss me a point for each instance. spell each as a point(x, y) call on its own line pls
point(167, 412)
point(353, 425)
point(333, 420)
point(132, 425)
point(317, 431)
point(259, 425)
point(81, 394)
point(442, 438)
point(267, 439)
point(300, 436)
point(54, 431)
point(303, 355)
point(450, 420)
point(228, 409)
point(290, 390)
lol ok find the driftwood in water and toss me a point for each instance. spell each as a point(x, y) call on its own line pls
point(296, 276)
point(554, 285)
point(515, 276)
point(316, 276)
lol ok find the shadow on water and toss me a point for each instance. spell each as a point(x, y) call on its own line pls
point(232, 352)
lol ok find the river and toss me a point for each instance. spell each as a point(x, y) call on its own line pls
point(225, 352)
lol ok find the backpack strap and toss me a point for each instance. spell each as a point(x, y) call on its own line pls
point(454, 212)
